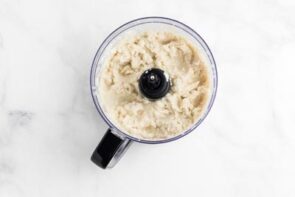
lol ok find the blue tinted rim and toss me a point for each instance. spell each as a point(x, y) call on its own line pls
point(140, 21)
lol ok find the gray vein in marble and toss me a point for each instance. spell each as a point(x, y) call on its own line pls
point(2, 92)
point(12, 122)
point(20, 118)
point(6, 168)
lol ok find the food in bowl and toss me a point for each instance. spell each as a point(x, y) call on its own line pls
point(166, 117)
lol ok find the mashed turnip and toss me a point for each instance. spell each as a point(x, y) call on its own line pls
point(169, 116)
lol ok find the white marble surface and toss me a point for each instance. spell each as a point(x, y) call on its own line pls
point(49, 126)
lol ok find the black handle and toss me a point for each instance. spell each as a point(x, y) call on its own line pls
point(109, 150)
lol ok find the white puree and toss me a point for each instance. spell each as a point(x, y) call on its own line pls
point(164, 118)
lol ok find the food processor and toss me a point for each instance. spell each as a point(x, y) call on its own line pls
point(153, 84)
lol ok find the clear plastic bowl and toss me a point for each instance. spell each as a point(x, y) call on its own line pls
point(142, 24)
